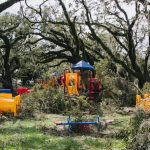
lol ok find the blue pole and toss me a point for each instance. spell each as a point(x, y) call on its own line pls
point(70, 123)
point(77, 123)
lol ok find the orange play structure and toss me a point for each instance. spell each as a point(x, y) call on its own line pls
point(8, 104)
point(143, 103)
point(46, 83)
point(71, 83)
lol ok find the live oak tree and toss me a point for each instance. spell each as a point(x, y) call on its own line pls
point(30, 68)
point(6, 45)
point(125, 30)
point(12, 35)
point(76, 32)
point(66, 37)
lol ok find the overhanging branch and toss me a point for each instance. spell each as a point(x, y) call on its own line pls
point(7, 4)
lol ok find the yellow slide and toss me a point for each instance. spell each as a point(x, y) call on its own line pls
point(72, 81)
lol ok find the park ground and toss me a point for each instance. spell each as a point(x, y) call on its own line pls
point(41, 133)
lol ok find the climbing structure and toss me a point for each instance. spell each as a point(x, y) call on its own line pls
point(94, 90)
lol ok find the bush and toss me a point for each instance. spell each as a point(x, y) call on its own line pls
point(139, 132)
point(141, 140)
point(137, 120)
point(115, 87)
point(80, 128)
point(146, 88)
point(52, 101)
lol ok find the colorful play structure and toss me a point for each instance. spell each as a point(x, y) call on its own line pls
point(143, 103)
point(73, 83)
point(10, 104)
point(52, 81)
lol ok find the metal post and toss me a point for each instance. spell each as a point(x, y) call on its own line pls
point(69, 127)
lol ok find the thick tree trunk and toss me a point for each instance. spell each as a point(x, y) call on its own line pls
point(6, 74)
point(141, 83)
point(7, 84)
point(143, 80)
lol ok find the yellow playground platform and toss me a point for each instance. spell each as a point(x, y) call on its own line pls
point(8, 104)
point(143, 103)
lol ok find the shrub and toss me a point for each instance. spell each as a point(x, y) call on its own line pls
point(146, 87)
point(115, 87)
point(80, 128)
point(137, 120)
point(141, 140)
point(138, 132)
point(52, 100)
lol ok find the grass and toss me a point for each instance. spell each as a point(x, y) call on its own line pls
point(29, 134)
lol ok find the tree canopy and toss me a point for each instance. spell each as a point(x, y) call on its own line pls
point(86, 30)
point(77, 31)
point(12, 36)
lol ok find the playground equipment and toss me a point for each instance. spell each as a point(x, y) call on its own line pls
point(72, 80)
point(82, 65)
point(71, 124)
point(52, 81)
point(21, 91)
point(82, 81)
point(143, 103)
point(8, 104)
point(89, 85)
point(71, 83)
point(94, 89)
point(5, 93)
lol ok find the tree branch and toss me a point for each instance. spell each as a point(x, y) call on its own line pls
point(7, 4)
point(9, 29)
point(72, 28)
point(98, 39)
point(123, 11)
